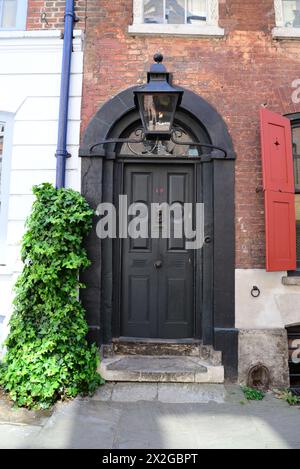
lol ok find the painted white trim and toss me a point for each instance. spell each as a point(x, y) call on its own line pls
point(37, 33)
point(45, 40)
point(8, 118)
point(208, 29)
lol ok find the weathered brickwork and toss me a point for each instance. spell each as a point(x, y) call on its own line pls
point(46, 14)
point(237, 74)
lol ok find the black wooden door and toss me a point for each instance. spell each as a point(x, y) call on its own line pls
point(157, 288)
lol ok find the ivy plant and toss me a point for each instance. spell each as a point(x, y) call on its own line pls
point(48, 357)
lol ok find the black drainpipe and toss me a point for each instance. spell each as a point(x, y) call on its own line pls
point(61, 151)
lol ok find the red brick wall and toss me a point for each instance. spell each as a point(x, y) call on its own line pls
point(237, 75)
point(54, 14)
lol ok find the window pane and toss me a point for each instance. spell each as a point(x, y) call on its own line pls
point(154, 11)
point(9, 13)
point(296, 154)
point(196, 11)
point(1, 153)
point(175, 11)
point(291, 13)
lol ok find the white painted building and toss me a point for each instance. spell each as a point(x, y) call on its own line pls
point(30, 72)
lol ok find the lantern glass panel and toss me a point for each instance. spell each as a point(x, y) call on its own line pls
point(158, 111)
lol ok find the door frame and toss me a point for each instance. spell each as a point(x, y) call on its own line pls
point(97, 186)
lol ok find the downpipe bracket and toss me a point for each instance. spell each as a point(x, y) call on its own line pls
point(64, 154)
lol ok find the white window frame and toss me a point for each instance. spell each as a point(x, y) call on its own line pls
point(8, 118)
point(280, 31)
point(208, 28)
point(20, 19)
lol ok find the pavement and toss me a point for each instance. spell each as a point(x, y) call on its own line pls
point(154, 416)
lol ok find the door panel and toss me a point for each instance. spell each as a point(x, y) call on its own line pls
point(141, 188)
point(176, 302)
point(157, 298)
point(139, 279)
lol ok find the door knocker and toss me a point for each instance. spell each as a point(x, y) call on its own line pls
point(255, 292)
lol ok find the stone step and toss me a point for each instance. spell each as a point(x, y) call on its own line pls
point(157, 347)
point(171, 393)
point(160, 369)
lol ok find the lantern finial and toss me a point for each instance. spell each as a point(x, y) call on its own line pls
point(158, 58)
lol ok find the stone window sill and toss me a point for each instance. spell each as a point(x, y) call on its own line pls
point(176, 30)
point(286, 33)
point(291, 281)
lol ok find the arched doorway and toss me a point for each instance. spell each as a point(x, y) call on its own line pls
point(193, 292)
point(159, 283)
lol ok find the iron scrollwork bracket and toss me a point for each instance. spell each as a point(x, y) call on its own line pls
point(205, 157)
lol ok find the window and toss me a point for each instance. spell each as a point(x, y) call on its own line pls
point(13, 14)
point(175, 11)
point(287, 15)
point(5, 158)
point(291, 13)
point(177, 17)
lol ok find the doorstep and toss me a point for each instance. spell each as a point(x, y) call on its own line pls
point(160, 369)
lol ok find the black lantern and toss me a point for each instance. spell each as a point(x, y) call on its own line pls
point(157, 101)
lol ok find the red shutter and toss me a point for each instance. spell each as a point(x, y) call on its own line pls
point(279, 188)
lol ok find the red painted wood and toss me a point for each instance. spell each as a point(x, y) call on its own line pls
point(279, 188)
point(280, 231)
point(277, 154)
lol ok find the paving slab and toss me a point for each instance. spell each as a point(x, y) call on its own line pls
point(133, 392)
point(17, 436)
point(103, 393)
point(190, 392)
point(14, 415)
point(120, 417)
point(80, 424)
point(190, 426)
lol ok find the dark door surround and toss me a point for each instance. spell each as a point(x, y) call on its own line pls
point(98, 184)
